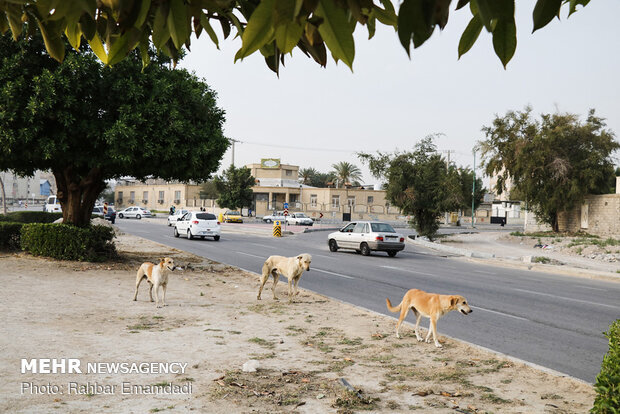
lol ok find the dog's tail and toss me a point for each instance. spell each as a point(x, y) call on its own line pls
point(392, 308)
point(266, 269)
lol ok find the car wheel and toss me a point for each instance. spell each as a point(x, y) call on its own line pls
point(189, 235)
point(364, 249)
point(202, 237)
point(333, 246)
point(176, 232)
point(169, 224)
point(216, 238)
point(268, 220)
point(121, 215)
point(138, 216)
point(392, 253)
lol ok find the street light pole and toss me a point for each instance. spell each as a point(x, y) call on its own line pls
point(473, 190)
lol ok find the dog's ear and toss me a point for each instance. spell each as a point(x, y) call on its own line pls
point(300, 257)
point(454, 300)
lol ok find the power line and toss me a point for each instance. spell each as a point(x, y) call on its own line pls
point(296, 147)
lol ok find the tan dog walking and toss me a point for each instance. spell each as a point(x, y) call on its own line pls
point(429, 305)
point(156, 275)
point(289, 267)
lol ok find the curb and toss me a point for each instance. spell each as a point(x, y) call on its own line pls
point(450, 249)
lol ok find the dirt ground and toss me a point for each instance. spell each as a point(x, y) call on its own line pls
point(214, 324)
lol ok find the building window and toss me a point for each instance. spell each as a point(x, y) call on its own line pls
point(289, 172)
point(145, 197)
point(351, 201)
point(120, 197)
point(177, 197)
point(132, 196)
point(313, 199)
point(160, 199)
point(371, 199)
point(336, 201)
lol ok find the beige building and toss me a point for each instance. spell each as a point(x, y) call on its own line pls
point(276, 184)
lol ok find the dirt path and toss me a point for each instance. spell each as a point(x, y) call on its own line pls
point(214, 324)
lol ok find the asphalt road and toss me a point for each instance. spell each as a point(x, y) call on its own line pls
point(551, 320)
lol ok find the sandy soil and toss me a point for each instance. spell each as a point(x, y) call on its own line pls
point(214, 324)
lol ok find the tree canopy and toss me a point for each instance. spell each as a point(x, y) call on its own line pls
point(346, 173)
point(552, 162)
point(88, 123)
point(234, 187)
point(275, 28)
point(421, 184)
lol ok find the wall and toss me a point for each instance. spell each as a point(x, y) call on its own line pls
point(599, 215)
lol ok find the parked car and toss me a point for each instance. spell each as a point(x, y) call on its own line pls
point(198, 224)
point(278, 215)
point(110, 216)
point(299, 219)
point(172, 218)
point(232, 217)
point(52, 205)
point(135, 212)
point(367, 236)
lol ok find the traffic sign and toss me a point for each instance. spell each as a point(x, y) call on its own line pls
point(286, 212)
point(321, 215)
point(285, 206)
point(105, 208)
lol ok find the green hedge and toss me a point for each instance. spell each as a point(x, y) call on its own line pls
point(608, 380)
point(30, 217)
point(66, 242)
point(10, 235)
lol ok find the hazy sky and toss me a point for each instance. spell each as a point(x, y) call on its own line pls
point(315, 117)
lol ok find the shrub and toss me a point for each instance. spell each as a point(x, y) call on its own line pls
point(30, 217)
point(607, 385)
point(10, 235)
point(66, 242)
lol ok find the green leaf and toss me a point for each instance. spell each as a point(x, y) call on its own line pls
point(54, 44)
point(4, 24)
point(160, 31)
point(145, 5)
point(88, 26)
point(97, 47)
point(123, 45)
point(144, 51)
point(470, 35)
point(461, 4)
point(575, 3)
point(259, 30)
point(544, 12)
point(387, 17)
point(287, 36)
point(414, 22)
point(484, 11)
point(505, 40)
point(371, 24)
point(14, 16)
point(336, 31)
point(204, 21)
point(74, 35)
point(179, 23)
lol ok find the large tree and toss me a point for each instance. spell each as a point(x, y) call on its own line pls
point(419, 183)
point(273, 27)
point(235, 188)
point(88, 123)
point(552, 162)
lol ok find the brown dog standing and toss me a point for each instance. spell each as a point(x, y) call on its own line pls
point(156, 275)
point(430, 305)
point(289, 267)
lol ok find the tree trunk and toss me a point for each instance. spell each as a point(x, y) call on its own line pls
point(3, 197)
point(77, 194)
point(555, 225)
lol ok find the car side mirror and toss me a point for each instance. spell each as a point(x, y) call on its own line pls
point(179, 219)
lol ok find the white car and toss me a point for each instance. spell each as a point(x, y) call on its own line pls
point(172, 218)
point(52, 205)
point(198, 224)
point(135, 212)
point(367, 236)
point(299, 219)
point(278, 215)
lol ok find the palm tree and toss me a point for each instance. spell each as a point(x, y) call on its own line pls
point(307, 174)
point(346, 172)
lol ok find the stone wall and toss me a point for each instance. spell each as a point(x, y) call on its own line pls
point(599, 215)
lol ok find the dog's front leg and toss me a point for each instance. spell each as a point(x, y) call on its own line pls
point(290, 291)
point(417, 326)
point(432, 329)
point(296, 288)
point(151, 290)
point(164, 287)
point(157, 296)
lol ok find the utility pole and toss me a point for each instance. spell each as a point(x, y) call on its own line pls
point(473, 190)
point(233, 149)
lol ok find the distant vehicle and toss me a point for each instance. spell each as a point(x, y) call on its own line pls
point(278, 215)
point(110, 216)
point(299, 219)
point(135, 212)
point(172, 218)
point(52, 205)
point(197, 224)
point(367, 236)
point(233, 217)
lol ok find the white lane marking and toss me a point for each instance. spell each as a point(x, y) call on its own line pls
point(251, 255)
point(333, 273)
point(592, 288)
point(407, 270)
point(258, 244)
point(485, 273)
point(565, 298)
point(500, 313)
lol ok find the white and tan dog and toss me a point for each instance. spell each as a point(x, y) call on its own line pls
point(289, 267)
point(156, 275)
point(429, 305)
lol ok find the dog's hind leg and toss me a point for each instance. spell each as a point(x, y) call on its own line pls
point(139, 278)
point(403, 314)
point(418, 316)
point(276, 276)
point(151, 290)
point(263, 279)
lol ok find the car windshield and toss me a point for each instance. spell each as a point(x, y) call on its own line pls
point(233, 213)
point(110, 209)
point(205, 216)
point(382, 228)
point(301, 215)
